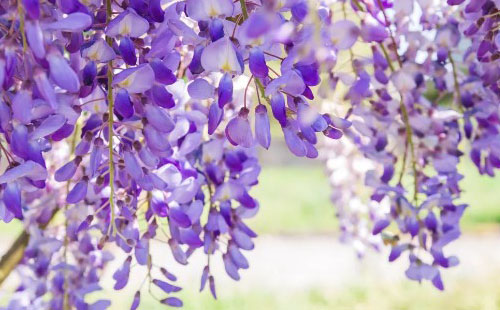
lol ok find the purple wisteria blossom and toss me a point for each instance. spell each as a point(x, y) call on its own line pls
point(126, 123)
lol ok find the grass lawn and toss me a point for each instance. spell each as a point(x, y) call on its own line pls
point(464, 295)
point(295, 199)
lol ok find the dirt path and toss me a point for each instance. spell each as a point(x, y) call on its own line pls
point(301, 262)
point(295, 263)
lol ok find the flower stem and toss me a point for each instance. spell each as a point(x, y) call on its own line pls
point(66, 305)
point(395, 47)
point(358, 5)
point(244, 10)
point(262, 91)
point(20, 12)
point(404, 111)
point(109, 40)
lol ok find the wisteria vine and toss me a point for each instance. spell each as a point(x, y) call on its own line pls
point(130, 122)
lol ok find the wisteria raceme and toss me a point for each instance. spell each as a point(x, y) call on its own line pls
point(133, 122)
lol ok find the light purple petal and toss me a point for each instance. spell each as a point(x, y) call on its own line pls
point(61, 72)
point(28, 169)
point(135, 80)
point(344, 34)
point(34, 35)
point(66, 172)
point(262, 126)
point(239, 132)
point(294, 143)
point(12, 199)
point(201, 89)
point(21, 106)
point(127, 24)
point(221, 56)
point(100, 51)
point(74, 22)
point(207, 9)
point(159, 119)
point(50, 125)
point(45, 88)
point(77, 193)
point(172, 302)
point(121, 275)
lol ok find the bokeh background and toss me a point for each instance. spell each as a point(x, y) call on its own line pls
point(299, 264)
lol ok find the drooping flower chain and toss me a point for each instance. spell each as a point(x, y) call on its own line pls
point(157, 98)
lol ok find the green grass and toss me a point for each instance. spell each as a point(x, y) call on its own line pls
point(295, 199)
point(464, 294)
point(481, 193)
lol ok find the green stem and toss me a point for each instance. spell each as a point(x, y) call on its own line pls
point(358, 5)
point(395, 46)
point(262, 90)
point(20, 12)
point(109, 40)
point(244, 10)
point(66, 305)
point(404, 110)
point(387, 57)
point(409, 140)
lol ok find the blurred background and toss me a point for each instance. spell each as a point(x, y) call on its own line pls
point(299, 264)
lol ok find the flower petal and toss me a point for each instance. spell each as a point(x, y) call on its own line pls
point(75, 22)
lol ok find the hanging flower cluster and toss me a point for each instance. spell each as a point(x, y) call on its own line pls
point(129, 122)
point(411, 101)
point(397, 122)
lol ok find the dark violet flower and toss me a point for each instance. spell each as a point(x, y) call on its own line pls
point(257, 63)
point(127, 51)
point(32, 7)
point(136, 301)
point(123, 106)
point(166, 287)
point(380, 225)
point(225, 90)
point(156, 11)
point(278, 108)
point(162, 72)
